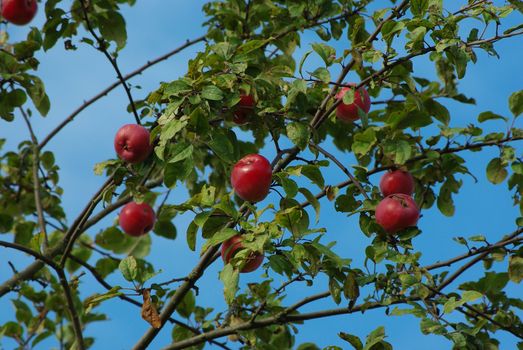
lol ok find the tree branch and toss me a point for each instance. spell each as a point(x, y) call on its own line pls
point(114, 85)
point(342, 167)
point(65, 286)
point(176, 299)
point(512, 239)
point(422, 156)
point(286, 315)
point(103, 48)
point(32, 269)
point(36, 179)
point(107, 286)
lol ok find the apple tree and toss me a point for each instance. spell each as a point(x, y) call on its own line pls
point(250, 131)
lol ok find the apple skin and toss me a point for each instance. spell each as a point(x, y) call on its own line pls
point(231, 246)
point(349, 112)
point(397, 181)
point(243, 109)
point(136, 219)
point(251, 177)
point(396, 212)
point(19, 12)
point(132, 143)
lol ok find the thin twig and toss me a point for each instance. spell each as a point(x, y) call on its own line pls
point(114, 85)
point(342, 167)
point(422, 156)
point(36, 180)
point(65, 286)
point(107, 286)
point(33, 268)
point(103, 48)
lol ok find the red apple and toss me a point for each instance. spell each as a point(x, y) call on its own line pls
point(349, 112)
point(132, 143)
point(19, 12)
point(136, 219)
point(397, 181)
point(251, 178)
point(233, 245)
point(243, 109)
point(396, 212)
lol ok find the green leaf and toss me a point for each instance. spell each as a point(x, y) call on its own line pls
point(129, 268)
point(335, 290)
point(192, 229)
point(348, 96)
point(219, 237)
point(201, 218)
point(302, 62)
point(312, 200)
point(419, 7)
point(515, 268)
point(326, 52)
point(212, 93)
point(484, 116)
point(165, 228)
point(322, 74)
point(313, 173)
point(16, 97)
point(112, 27)
point(445, 202)
point(100, 167)
point(290, 186)
point(398, 150)
point(222, 146)
point(299, 134)
point(23, 312)
point(106, 266)
point(229, 276)
point(6, 223)
point(515, 103)
point(295, 219)
point(308, 346)
point(351, 290)
point(352, 340)
point(36, 92)
point(375, 337)
point(470, 295)
point(364, 141)
point(496, 172)
point(430, 326)
point(97, 299)
point(180, 151)
point(178, 171)
point(187, 305)
point(438, 111)
point(252, 45)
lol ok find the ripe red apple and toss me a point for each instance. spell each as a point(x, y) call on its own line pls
point(396, 212)
point(233, 245)
point(349, 112)
point(19, 12)
point(132, 143)
point(251, 178)
point(136, 219)
point(243, 109)
point(397, 181)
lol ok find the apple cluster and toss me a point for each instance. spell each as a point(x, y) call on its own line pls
point(251, 179)
point(19, 12)
point(397, 210)
point(132, 143)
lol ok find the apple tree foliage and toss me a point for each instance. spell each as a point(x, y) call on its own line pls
point(250, 47)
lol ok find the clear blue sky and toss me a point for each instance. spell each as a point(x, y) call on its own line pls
point(157, 26)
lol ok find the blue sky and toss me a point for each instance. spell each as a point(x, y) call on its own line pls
point(157, 26)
